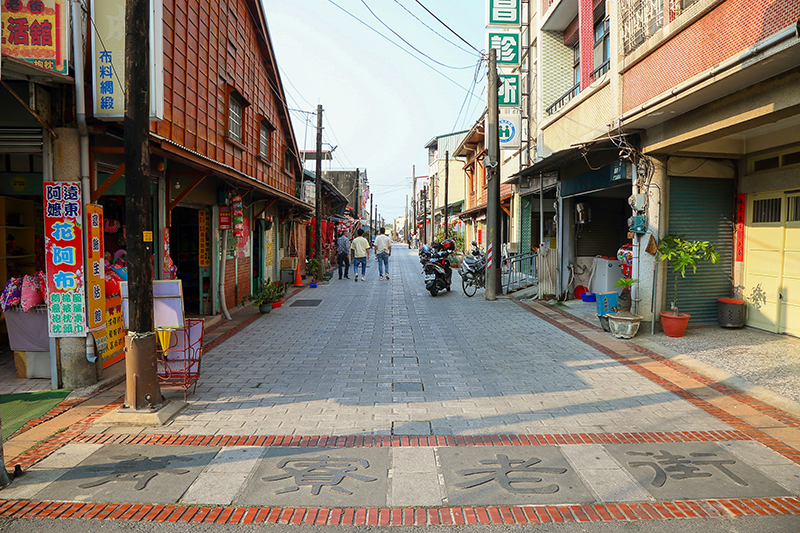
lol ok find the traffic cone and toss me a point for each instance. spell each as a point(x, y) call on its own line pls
point(298, 280)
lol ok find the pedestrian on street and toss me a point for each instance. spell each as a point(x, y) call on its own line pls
point(360, 247)
point(343, 251)
point(383, 249)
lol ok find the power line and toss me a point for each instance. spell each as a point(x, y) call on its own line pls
point(469, 94)
point(448, 27)
point(408, 43)
point(401, 48)
point(434, 31)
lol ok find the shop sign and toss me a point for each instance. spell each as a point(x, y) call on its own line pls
point(741, 211)
point(95, 274)
point(243, 239)
point(503, 12)
point(108, 59)
point(37, 32)
point(224, 217)
point(63, 233)
point(238, 216)
point(204, 230)
point(508, 90)
point(507, 46)
point(509, 130)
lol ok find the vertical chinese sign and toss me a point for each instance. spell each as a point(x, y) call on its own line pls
point(741, 212)
point(63, 236)
point(37, 32)
point(506, 15)
point(204, 232)
point(108, 59)
point(95, 275)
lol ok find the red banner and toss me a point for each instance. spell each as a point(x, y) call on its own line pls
point(741, 211)
point(63, 233)
point(224, 217)
point(96, 273)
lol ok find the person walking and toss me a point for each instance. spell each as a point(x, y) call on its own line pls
point(343, 251)
point(383, 249)
point(360, 247)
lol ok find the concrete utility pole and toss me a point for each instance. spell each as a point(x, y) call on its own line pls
point(492, 162)
point(370, 216)
point(425, 214)
point(318, 197)
point(413, 200)
point(446, 185)
point(405, 222)
point(358, 193)
point(433, 208)
point(141, 391)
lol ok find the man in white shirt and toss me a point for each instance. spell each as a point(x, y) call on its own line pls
point(360, 247)
point(383, 249)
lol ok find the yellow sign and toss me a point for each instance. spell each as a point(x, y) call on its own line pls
point(18, 183)
point(37, 32)
point(204, 232)
point(147, 236)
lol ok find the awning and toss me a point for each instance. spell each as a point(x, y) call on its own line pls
point(473, 212)
point(561, 158)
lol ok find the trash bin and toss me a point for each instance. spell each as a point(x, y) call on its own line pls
point(730, 312)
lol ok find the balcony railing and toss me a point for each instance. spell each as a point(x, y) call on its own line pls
point(602, 69)
point(561, 102)
point(546, 4)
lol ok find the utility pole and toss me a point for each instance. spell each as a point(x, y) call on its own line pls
point(425, 214)
point(318, 198)
point(358, 193)
point(433, 207)
point(142, 391)
point(370, 215)
point(492, 162)
point(405, 222)
point(413, 200)
point(446, 185)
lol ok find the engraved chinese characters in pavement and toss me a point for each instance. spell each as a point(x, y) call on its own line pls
point(514, 475)
point(510, 475)
point(319, 477)
point(135, 468)
point(684, 470)
point(132, 473)
point(323, 471)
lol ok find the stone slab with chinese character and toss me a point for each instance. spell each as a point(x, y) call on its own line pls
point(132, 473)
point(499, 475)
point(329, 477)
point(690, 471)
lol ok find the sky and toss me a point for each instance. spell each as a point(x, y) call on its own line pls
point(382, 102)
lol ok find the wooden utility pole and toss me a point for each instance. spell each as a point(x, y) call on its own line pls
point(413, 202)
point(425, 214)
point(405, 222)
point(492, 163)
point(142, 391)
point(370, 216)
point(318, 198)
point(446, 186)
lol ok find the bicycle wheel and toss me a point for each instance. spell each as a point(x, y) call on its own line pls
point(468, 285)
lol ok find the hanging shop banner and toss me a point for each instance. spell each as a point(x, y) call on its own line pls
point(95, 274)
point(237, 214)
point(204, 231)
point(509, 130)
point(503, 13)
point(507, 46)
point(108, 59)
point(66, 303)
point(37, 32)
point(243, 239)
point(224, 217)
point(508, 90)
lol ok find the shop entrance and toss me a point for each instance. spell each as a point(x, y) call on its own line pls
point(184, 237)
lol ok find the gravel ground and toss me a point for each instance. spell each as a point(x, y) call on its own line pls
point(766, 359)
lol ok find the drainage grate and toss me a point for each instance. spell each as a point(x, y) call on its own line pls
point(407, 387)
point(306, 303)
point(405, 360)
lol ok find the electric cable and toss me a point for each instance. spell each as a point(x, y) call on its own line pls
point(448, 27)
point(434, 31)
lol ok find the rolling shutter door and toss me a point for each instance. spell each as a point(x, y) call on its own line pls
point(702, 209)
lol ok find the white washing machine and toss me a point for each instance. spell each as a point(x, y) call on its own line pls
point(606, 274)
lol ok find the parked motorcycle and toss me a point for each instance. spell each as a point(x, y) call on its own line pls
point(438, 274)
point(473, 271)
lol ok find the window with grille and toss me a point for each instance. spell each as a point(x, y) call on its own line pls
point(794, 209)
point(767, 210)
point(576, 65)
point(235, 108)
point(640, 19)
point(602, 48)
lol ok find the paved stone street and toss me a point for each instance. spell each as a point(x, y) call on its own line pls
point(357, 401)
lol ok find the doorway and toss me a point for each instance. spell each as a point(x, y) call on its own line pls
point(184, 246)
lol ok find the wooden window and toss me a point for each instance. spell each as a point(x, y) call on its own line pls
point(265, 140)
point(235, 116)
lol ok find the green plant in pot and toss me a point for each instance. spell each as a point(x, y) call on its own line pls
point(266, 294)
point(313, 268)
point(681, 254)
point(624, 302)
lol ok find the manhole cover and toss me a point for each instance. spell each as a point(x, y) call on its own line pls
point(405, 360)
point(306, 303)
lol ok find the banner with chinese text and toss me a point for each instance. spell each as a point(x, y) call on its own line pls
point(63, 236)
point(108, 59)
point(37, 32)
point(96, 273)
point(503, 13)
point(204, 232)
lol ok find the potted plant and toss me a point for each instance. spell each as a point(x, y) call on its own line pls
point(280, 292)
point(313, 268)
point(624, 302)
point(264, 296)
point(682, 253)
